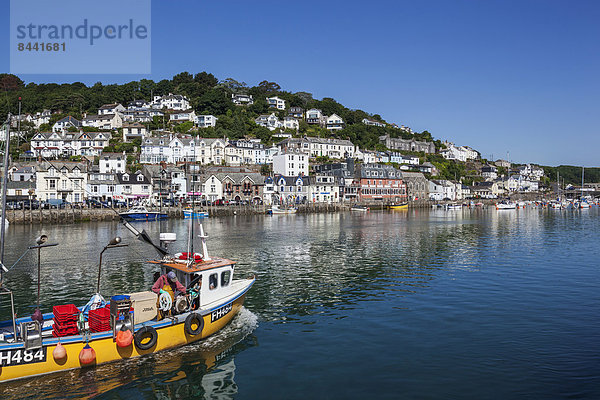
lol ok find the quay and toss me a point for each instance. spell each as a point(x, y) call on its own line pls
point(77, 215)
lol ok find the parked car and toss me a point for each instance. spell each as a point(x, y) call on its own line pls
point(54, 203)
point(93, 203)
point(31, 204)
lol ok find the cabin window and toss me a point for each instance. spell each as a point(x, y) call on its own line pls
point(212, 281)
point(225, 278)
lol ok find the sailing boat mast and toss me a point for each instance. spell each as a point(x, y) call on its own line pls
point(582, 180)
point(4, 187)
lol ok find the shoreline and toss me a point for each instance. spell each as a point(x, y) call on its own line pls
point(82, 215)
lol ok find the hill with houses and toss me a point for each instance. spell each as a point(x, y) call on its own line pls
point(197, 119)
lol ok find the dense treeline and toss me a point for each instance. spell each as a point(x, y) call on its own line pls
point(570, 174)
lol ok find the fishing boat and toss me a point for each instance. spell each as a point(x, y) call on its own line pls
point(275, 209)
point(141, 213)
point(506, 205)
point(130, 325)
point(403, 206)
point(359, 208)
point(195, 214)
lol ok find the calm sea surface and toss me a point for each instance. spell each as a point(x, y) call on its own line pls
point(471, 304)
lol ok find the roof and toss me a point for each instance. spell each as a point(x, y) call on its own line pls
point(133, 179)
point(236, 177)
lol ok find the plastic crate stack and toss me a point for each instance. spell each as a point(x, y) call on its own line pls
point(99, 319)
point(65, 320)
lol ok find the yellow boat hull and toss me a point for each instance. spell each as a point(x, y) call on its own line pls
point(170, 335)
point(399, 207)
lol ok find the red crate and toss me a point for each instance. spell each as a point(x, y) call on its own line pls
point(65, 313)
point(100, 314)
point(59, 331)
point(99, 328)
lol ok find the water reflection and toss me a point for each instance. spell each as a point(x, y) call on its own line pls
point(464, 292)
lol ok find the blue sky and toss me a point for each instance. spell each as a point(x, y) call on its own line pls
point(499, 76)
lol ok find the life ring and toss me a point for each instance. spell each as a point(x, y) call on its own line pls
point(194, 319)
point(144, 333)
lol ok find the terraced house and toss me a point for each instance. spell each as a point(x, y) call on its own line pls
point(61, 180)
point(378, 182)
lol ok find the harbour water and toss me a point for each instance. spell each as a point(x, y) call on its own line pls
point(413, 304)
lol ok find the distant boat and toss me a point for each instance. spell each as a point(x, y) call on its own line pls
point(195, 214)
point(141, 213)
point(285, 210)
point(454, 207)
point(403, 206)
point(506, 205)
point(359, 208)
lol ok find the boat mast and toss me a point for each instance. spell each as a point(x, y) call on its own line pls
point(582, 175)
point(4, 186)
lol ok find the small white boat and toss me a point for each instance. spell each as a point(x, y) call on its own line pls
point(359, 208)
point(282, 210)
point(506, 205)
point(454, 207)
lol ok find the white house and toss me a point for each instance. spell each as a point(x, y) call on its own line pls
point(206, 121)
point(65, 123)
point(324, 189)
point(183, 116)
point(171, 101)
point(315, 116)
point(290, 163)
point(460, 153)
point(268, 121)
point(134, 131)
point(132, 186)
point(316, 147)
point(210, 151)
point(242, 99)
point(372, 122)
point(112, 163)
point(54, 145)
point(114, 108)
point(334, 123)
point(104, 121)
point(101, 186)
point(276, 102)
point(40, 118)
point(442, 190)
point(489, 172)
point(291, 123)
point(61, 180)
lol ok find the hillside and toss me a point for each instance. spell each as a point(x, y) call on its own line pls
point(207, 95)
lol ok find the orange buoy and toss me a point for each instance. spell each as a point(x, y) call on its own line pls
point(124, 337)
point(87, 355)
point(59, 353)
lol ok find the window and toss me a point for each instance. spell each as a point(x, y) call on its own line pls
point(52, 184)
point(212, 281)
point(225, 278)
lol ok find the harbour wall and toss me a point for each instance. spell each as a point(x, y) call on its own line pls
point(77, 215)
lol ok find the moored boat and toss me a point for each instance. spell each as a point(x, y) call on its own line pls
point(275, 209)
point(141, 213)
point(506, 205)
point(454, 207)
point(131, 325)
point(195, 214)
point(359, 208)
point(403, 206)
